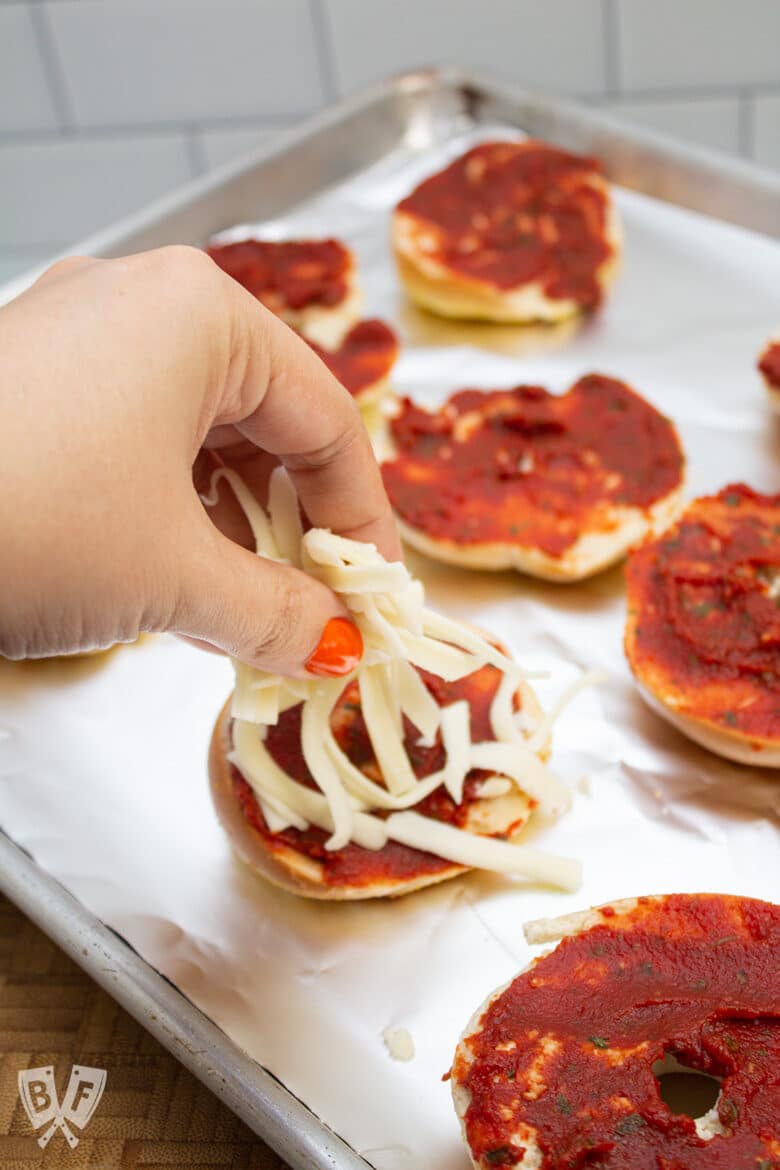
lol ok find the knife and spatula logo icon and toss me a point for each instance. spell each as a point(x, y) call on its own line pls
point(41, 1104)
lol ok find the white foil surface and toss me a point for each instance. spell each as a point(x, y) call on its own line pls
point(103, 760)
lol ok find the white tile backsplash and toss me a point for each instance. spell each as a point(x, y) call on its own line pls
point(766, 130)
point(554, 44)
point(56, 191)
point(159, 61)
point(712, 122)
point(689, 43)
point(26, 101)
point(105, 104)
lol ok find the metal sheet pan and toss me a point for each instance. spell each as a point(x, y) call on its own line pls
point(252, 1093)
point(421, 108)
point(413, 114)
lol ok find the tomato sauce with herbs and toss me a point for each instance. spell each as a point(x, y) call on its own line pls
point(509, 213)
point(769, 364)
point(565, 1054)
point(530, 468)
point(364, 358)
point(288, 274)
point(704, 602)
point(353, 865)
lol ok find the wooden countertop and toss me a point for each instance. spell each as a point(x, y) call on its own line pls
point(153, 1113)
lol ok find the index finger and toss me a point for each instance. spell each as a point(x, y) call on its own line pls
point(285, 400)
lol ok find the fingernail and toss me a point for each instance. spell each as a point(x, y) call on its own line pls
point(338, 651)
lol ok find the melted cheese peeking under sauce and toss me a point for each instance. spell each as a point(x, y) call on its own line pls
point(399, 633)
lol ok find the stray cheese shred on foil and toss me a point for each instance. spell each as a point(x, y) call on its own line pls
point(399, 1043)
point(399, 633)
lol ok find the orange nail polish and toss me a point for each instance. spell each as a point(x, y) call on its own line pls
point(338, 651)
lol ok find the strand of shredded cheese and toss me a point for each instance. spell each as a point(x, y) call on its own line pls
point(408, 828)
point(285, 517)
point(262, 531)
point(456, 738)
point(399, 634)
point(264, 775)
point(503, 718)
point(373, 795)
point(448, 662)
point(314, 719)
point(416, 700)
point(520, 764)
point(383, 731)
point(541, 734)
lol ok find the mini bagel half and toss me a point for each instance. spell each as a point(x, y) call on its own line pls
point(558, 1067)
point(509, 232)
point(703, 624)
point(298, 862)
point(558, 486)
point(311, 284)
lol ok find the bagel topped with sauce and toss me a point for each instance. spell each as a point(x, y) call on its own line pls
point(311, 284)
point(297, 858)
point(426, 759)
point(559, 486)
point(703, 624)
point(510, 231)
point(363, 360)
point(559, 1067)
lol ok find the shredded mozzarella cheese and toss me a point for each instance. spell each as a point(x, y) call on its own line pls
point(541, 734)
point(399, 1043)
point(285, 516)
point(254, 703)
point(258, 521)
point(410, 828)
point(399, 635)
point(527, 770)
point(416, 700)
point(383, 731)
point(314, 720)
point(456, 737)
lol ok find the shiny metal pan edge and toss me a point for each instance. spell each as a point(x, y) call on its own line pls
point(359, 130)
point(252, 1093)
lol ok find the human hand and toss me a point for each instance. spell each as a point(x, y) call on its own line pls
point(115, 376)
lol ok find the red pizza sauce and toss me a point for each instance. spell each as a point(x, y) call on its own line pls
point(769, 364)
point(354, 865)
point(364, 358)
point(530, 468)
point(291, 274)
point(508, 213)
point(694, 976)
point(705, 611)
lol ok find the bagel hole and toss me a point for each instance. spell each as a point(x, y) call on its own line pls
point(684, 1089)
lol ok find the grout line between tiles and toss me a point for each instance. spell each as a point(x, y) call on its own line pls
point(662, 99)
point(675, 93)
point(55, 74)
point(150, 129)
point(323, 42)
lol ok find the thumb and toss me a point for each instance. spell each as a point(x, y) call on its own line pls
point(272, 616)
